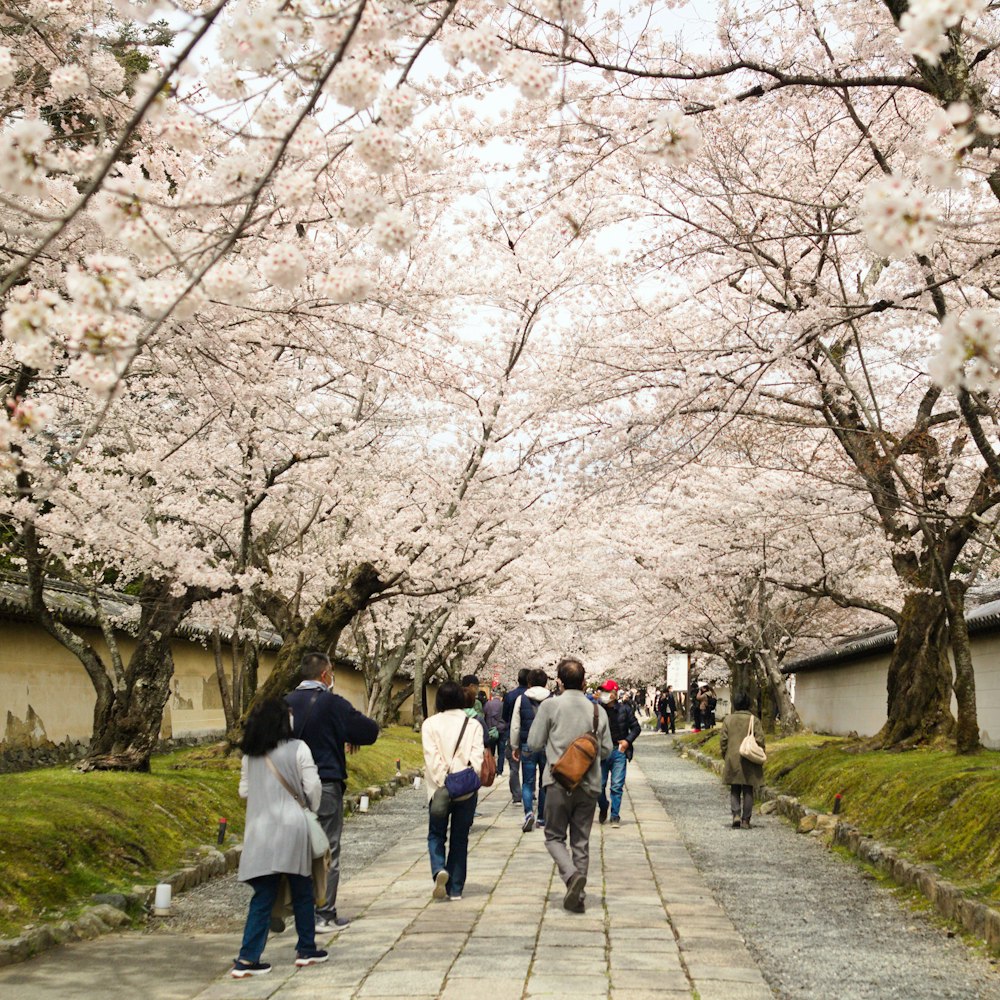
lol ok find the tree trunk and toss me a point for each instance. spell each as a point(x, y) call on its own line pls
point(228, 711)
point(919, 681)
point(782, 701)
point(967, 728)
point(130, 729)
point(322, 632)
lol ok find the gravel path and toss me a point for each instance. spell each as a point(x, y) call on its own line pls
point(818, 925)
point(220, 906)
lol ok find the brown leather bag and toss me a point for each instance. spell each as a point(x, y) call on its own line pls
point(488, 772)
point(572, 767)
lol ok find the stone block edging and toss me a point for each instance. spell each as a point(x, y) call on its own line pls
point(947, 899)
point(115, 910)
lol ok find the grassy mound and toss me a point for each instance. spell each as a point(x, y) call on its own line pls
point(933, 806)
point(66, 835)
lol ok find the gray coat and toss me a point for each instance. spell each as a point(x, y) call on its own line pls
point(736, 770)
point(276, 838)
point(561, 720)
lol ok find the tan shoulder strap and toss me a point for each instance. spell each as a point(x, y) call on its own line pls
point(288, 788)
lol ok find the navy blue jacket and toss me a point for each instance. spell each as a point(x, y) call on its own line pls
point(328, 725)
point(623, 725)
point(507, 712)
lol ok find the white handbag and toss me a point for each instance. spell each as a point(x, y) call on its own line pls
point(750, 749)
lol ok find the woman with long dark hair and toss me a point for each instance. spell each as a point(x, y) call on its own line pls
point(452, 741)
point(276, 839)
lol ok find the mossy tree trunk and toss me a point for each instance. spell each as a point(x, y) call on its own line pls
point(919, 681)
point(967, 726)
point(130, 697)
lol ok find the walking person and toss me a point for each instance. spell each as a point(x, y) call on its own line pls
point(276, 838)
point(331, 727)
point(532, 762)
point(451, 741)
point(570, 814)
point(493, 711)
point(742, 775)
point(667, 710)
point(625, 731)
point(509, 700)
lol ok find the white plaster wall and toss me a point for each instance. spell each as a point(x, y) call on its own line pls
point(850, 697)
point(844, 698)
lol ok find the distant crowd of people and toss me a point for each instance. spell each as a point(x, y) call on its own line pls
point(564, 747)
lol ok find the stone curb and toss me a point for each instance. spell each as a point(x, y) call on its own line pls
point(114, 910)
point(947, 899)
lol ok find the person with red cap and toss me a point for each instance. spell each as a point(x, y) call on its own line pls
point(625, 731)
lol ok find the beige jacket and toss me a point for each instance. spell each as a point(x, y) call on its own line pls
point(439, 735)
point(735, 769)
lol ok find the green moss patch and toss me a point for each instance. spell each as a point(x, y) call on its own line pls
point(66, 835)
point(934, 806)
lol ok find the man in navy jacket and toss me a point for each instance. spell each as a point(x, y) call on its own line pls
point(330, 726)
point(505, 714)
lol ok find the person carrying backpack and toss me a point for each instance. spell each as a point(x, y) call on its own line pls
point(531, 761)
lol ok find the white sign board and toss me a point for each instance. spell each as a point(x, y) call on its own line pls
point(677, 671)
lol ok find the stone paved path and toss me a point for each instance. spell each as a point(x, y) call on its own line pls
point(652, 928)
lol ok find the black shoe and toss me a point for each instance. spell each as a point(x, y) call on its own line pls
point(314, 957)
point(241, 970)
point(744, 824)
point(736, 821)
point(602, 814)
point(573, 900)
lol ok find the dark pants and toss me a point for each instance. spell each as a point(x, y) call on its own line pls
point(265, 892)
point(501, 752)
point(515, 772)
point(695, 717)
point(460, 815)
point(532, 769)
point(735, 793)
point(331, 818)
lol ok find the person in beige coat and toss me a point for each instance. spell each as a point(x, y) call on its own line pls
point(452, 741)
point(742, 775)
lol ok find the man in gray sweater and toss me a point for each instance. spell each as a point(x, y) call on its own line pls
point(558, 722)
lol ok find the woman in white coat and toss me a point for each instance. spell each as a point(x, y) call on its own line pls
point(452, 741)
point(276, 839)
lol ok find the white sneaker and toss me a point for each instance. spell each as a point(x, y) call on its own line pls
point(440, 885)
point(457, 896)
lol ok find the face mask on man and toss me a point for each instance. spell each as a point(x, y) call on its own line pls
point(604, 697)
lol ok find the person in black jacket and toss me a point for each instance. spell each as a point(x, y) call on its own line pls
point(625, 731)
point(507, 711)
point(666, 711)
point(331, 727)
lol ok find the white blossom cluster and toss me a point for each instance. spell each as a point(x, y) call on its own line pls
point(344, 284)
point(566, 11)
point(925, 22)
point(480, 46)
point(229, 281)
point(68, 81)
point(355, 83)
point(532, 78)
point(26, 324)
point(674, 138)
point(968, 352)
point(283, 265)
point(397, 107)
point(8, 68)
point(22, 157)
point(360, 207)
point(251, 36)
point(378, 148)
point(391, 230)
point(896, 218)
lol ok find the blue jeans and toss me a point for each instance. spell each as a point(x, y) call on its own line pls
point(460, 814)
point(265, 892)
point(532, 768)
point(614, 764)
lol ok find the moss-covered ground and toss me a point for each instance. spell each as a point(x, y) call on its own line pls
point(934, 806)
point(66, 835)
